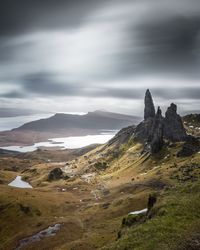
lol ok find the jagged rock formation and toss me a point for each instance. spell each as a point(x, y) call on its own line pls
point(142, 131)
point(156, 136)
point(173, 125)
point(190, 147)
point(149, 109)
point(122, 136)
point(154, 129)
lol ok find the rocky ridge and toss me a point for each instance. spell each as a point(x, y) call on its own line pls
point(155, 128)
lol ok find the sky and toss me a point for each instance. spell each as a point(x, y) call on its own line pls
point(84, 55)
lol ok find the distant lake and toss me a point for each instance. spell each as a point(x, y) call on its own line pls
point(71, 142)
point(8, 123)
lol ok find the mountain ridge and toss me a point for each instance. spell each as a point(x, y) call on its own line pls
point(65, 125)
point(91, 120)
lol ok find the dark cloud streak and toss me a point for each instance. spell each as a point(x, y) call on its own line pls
point(45, 84)
point(20, 16)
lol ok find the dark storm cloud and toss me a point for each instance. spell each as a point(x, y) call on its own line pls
point(166, 39)
point(163, 40)
point(171, 44)
point(45, 85)
point(85, 48)
point(13, 95)
point(157, 92)
point(21, 16)
point(177, 92)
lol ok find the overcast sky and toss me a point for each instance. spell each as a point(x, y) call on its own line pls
point(83, 55)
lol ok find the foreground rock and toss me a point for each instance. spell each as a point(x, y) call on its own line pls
point(55, 174)
point(190, 147)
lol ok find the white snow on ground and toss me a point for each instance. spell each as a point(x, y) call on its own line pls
point(138, 212)
point(17, 182)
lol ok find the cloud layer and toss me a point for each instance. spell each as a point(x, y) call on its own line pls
point(56, 52)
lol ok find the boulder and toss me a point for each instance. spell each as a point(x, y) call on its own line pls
point(190, 147)
point(151, 201)
point(55, 174)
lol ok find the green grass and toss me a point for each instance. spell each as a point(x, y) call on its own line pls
point(175, 217)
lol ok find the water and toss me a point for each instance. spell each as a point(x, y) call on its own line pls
point(72, 142)
point(17, 182)
point(48, 232)
point(7, 123)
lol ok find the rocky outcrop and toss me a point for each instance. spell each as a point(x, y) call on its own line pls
point(190, 147)
point(156, 136)
point(143, 130)
point(55, 174)
point(173, 125)
point(151, 202)
point(123, 136)
point(149, 109)
point(154, 129)
point(150, 131)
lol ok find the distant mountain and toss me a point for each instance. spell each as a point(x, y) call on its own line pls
point(64, 125)
point(97, 120)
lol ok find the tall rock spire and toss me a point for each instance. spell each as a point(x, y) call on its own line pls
point(155, 128)
point(149, 109)
point(157, 141)
point(173, 125)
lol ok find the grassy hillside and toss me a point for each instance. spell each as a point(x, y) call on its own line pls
point(92, 205)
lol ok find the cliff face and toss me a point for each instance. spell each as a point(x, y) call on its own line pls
point(173, 125)
point(155, 128)
point(156, 140)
